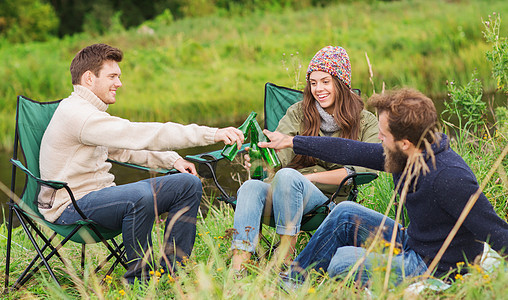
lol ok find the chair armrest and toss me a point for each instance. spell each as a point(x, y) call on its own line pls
point(365, 177)
point(142, 168)
point(358, 179)
point(52, 183)
point(212, 156)
point(207, 163)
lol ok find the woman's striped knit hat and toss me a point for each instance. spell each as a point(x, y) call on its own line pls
point(334, 61)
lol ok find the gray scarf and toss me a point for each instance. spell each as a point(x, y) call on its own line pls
point(328, 124)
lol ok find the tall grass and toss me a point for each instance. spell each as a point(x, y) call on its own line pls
point(212, 69)
point(206, 274)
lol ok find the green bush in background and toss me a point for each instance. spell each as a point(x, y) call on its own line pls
point(27, 20)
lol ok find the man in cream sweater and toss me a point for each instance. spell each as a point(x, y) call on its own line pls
point(82, 135)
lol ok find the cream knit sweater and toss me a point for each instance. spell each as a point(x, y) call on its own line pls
point(82, 135)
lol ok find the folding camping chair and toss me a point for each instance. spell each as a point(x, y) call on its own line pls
point(277, 100)
point(32, 118)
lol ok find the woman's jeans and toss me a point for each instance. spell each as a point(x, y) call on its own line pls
point(133, 208)
point(339, 243)
point(287, 198)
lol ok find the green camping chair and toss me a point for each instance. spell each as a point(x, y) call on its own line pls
point(277, 100)
point(32, 118)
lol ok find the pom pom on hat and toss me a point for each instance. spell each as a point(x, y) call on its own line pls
point(334, 61)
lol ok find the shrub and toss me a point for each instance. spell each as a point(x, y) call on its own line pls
point(27, 20)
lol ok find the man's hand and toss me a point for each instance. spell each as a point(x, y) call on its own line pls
point(185, 166)
point(277, 140)
point(229, 136)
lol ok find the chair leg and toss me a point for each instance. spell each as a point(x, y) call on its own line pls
point(83, 258)
point(272, 246)
point(216, 181)
point(113, 266)
point(25, 276)
point(112, 251)
point(9, 241)
point(111, 255)
point(44, 259)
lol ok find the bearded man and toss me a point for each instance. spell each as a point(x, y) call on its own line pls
point(433, 181)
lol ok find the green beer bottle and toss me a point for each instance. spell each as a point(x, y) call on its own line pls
point(268, 154)
point(256, 160)
point(230, 151)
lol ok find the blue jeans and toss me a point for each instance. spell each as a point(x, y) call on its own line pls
point(133, 208)
point(287, 198)
point(337, 245)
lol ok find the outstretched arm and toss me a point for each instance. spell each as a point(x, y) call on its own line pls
point(336, 150)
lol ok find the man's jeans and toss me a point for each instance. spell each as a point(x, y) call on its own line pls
point(337, 245)
point(133, 208)
point(289, 196)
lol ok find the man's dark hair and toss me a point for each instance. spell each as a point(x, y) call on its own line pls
point(411, 115)
point(92, 58)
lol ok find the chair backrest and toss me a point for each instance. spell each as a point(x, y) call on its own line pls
point(277, 100)
point(32, 119)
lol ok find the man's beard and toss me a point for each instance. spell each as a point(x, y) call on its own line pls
point(395, 160)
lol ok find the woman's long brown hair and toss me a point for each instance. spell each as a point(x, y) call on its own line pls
point(347, 111)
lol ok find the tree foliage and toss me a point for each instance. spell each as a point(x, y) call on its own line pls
point(27, 20)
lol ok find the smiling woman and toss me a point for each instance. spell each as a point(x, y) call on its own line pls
point(329, 108)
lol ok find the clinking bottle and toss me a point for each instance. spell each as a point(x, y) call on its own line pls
point(268, 154)
point(256, 159)
point(230, 151)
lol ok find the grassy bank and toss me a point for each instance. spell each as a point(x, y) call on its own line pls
point(211, 70)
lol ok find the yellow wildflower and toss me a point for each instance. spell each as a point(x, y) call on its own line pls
point(460, 277)
point(121, 292)
point(311, 290)
point(478, 268)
